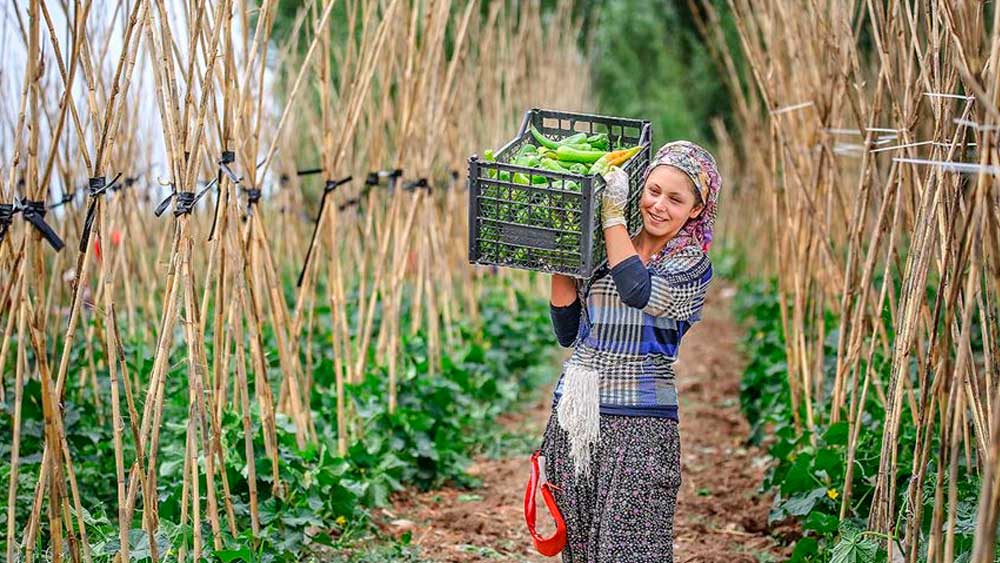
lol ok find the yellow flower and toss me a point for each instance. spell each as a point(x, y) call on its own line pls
point(832, 493)
point(341, 520)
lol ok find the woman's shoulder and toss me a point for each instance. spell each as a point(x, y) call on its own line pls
point(686, 264)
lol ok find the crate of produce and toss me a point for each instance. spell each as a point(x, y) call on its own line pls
point(544, 213)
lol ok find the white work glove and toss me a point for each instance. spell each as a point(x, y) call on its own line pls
point(615, 198)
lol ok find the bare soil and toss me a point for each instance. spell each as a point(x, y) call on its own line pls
point(721, 516)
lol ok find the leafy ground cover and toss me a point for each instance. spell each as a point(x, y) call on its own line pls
point(808, 469)
point(324, 503)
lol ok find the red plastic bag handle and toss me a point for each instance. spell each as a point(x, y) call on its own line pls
point(552, 545)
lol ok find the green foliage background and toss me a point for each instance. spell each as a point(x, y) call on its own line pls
point(647, 60)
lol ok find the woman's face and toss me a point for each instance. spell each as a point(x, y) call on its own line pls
point(668, 201)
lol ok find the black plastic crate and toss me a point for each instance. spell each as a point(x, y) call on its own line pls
point(550, 227)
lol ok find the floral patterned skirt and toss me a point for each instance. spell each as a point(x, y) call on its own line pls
point(624, 511)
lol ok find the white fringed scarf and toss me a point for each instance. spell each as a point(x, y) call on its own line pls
point(578, 413)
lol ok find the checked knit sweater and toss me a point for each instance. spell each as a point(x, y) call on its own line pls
point(631, 328)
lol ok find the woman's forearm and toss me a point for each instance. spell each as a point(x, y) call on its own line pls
point(563, 290)
point(618, 245)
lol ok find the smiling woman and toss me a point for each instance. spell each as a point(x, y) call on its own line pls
point(612, 445)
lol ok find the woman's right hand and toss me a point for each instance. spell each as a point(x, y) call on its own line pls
point(614, 200)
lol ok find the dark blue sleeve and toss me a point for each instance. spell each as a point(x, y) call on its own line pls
point(633, 282)
point(565, 322)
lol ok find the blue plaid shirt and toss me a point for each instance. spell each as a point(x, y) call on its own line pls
point(634, 349)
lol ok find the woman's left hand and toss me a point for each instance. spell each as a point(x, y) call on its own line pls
point(615, 198)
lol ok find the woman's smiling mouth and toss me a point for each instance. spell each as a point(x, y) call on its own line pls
point(656, 218)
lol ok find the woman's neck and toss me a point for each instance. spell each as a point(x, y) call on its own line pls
point(647, 245)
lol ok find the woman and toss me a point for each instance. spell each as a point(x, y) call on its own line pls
point(611, 446)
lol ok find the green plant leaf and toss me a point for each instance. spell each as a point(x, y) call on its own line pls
point(854, 547)
point(802, 504)
point(230, 555)
point(837, 434)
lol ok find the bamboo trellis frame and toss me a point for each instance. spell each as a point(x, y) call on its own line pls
point(399, 101)
point(844, 221)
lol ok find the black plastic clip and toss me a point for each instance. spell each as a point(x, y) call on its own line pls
point(375, 178)
point(334, 184)
point(6, 218)
point(394, 177)
point(308, 171)
point(34, 213)
point(67, 197)
point(229, 157)
point(97, 187)
point(417, 184)
point(253, 195)
point(184, 202)
point(329, 188)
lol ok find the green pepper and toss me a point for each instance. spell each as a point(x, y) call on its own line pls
point(599, 141)
point(574, 139)
point(579, 168)
point(521, 179)
point(527, 149)
point(569, 154)
point(543, 140)
point(579, 146)
point(529, 161)
point(505, 176)
point(553, 165)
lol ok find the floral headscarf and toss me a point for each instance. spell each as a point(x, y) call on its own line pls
point(700, 167)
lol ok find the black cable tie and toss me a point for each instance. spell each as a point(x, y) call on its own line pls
point(97, 186)
point(34, 213)
point(204, 190)
point(330, 186)
point(253, 195)
point(417, 184)
point(6, 218)
point(218, 198)
point(393, 178)
point(334, 184)
point(67, 197)
point(372, 179)
point(162, 206)
point(184, 202)
point(283, 179)
point(349, 203)
point(228, 157)
point(308, 171)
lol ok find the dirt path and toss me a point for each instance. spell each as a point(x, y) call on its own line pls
point(720, 517)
